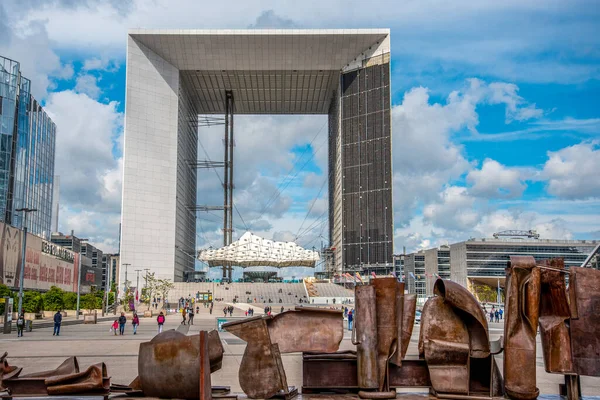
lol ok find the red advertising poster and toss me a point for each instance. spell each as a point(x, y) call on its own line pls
point(10, 254)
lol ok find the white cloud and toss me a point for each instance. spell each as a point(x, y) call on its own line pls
point(494, 180)
point(572, 172)
point(516, 107)
point(88, 84)
point(86, 131)
point(455, 210)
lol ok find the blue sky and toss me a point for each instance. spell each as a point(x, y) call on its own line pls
point(496, 115)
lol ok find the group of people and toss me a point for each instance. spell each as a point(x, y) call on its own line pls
point(189, 312)
point(228, 310)
point(249, 312)
point(122, 321)
point(496, 314)
point(155, 301)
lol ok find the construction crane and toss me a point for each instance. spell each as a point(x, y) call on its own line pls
point(528, 234)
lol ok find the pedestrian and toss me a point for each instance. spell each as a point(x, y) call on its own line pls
point(115, 326)
point(183, 313)
point(197, 309)
point(191, 316)
point(135, 322)
point(161, 320)
point(57, 322)
point(224, 311)
point(211, 307)
point(492, 316)
point(345, 311)
point(501, 312)
point(122, 322)
point(350, 316)
point(282, 309)
point(20, 324)
point(497, 315)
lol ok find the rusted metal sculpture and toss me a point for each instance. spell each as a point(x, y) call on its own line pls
point(64, 380)
point(570, 328)
point(455, 344)
point(180, 360)
point(522, 314)
point(305, 329)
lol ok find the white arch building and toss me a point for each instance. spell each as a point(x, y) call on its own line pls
point(175, 75)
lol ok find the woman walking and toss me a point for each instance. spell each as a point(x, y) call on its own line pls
point(20, 325)
point(135, 322)
point(161, 320)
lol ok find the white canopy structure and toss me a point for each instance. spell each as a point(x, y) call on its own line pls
point(251, 250)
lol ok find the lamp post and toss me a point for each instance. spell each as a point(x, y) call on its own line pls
point(125, 285)
point(137, 285)
point(78, 272)
point(25, 211)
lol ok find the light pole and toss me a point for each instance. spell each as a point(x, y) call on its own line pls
point(125, 285)
point(146, 279)
point(79, 270)
point(25, 211)
point(137, 285)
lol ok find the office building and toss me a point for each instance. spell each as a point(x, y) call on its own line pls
point(55, 203)
point(95, 256)
point(110, 268)
point(173, 76)
point(483, 261)
point(92, 271)
point(399, 266)
point(27, 146)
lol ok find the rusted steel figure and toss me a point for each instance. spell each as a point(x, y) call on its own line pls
point(64, 380)
point(455, 344)
point(305, 329)
point(554, 318)
point(522, 314)
point(178, 359)
point(382, 328)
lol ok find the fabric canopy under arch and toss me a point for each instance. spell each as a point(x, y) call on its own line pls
point(251, 250)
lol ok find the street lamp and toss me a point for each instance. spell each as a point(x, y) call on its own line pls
point(79, 269)
point(137, 285)
point(125, 285)
point(25, 211)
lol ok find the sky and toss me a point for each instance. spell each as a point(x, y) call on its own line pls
point(495, 119)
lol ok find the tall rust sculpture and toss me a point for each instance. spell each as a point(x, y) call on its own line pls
point(569, 323)
point(522, 314)
point(383, 326)
point(305, 329)
point(455, 344)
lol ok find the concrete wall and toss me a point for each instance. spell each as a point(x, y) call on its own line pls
point(148, 210)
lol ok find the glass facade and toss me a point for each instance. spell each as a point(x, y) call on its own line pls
point(27, 146)
point(486, 259)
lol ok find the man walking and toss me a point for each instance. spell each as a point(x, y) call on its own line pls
point(122, 322)
point(191, 316)
point(20, 325)
point(57, 322)
point(350, 316)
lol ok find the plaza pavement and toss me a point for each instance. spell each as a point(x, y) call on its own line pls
point(39, 350)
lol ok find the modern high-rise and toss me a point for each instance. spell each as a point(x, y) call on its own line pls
point(173, 76)
point(27, 145)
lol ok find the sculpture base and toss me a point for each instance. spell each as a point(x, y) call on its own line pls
point(377, 395)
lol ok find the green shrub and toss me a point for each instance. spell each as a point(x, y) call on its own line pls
point(70, 301)
point(32, 302)
point(54, 299)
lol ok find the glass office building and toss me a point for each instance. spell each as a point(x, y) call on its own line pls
point(27, 146)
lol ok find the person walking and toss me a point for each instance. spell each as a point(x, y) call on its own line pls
point(122, 322)
point(183, 313)
point(501, 312)
point(224, 311)
point(160, 320)
point(350, 317)
point(492, 316)
point(497, 315)
point(191, 316)
point(115, 326)
point(20, 325)
point(57, 322)
point(135, 322)
point(211, 307)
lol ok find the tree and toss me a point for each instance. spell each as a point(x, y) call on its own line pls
point(32, 302)
point(163, 288)
point(485, 293)
point(151, 289)
point(90, 302)
point(70, 301)
point(54, 299)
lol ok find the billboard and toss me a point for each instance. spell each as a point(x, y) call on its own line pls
point(46, 264)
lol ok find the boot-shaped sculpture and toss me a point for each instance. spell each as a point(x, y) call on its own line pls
point(522, 314)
